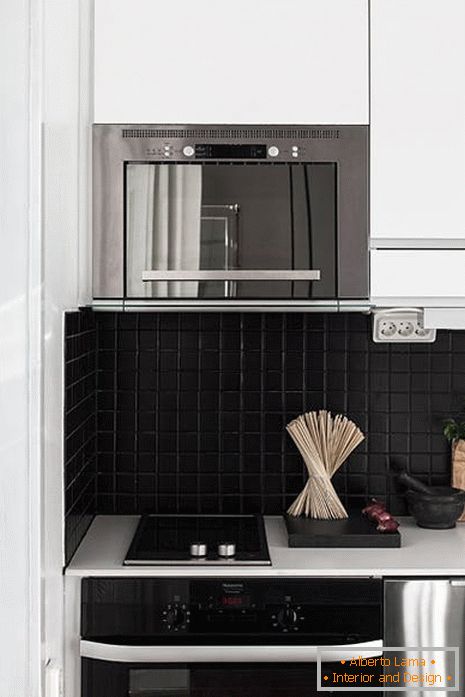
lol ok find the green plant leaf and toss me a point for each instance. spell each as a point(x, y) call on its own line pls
point(451, 429)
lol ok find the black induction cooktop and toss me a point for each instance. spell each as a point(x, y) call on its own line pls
point(177, 539)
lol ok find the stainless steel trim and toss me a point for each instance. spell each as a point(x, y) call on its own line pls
point(238, 275)
point(310, 305)
point(231, 306)
point(226, 654)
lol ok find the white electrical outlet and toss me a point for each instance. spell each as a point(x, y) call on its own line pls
point(401, 325)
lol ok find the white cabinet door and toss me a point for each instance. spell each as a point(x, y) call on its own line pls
point(418, 118)
point(419, 276)
point(231, 61)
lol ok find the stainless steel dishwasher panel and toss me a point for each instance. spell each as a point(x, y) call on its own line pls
point(426, 613)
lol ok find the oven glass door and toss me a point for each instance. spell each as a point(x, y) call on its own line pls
point(102, 679)
point(231, 230)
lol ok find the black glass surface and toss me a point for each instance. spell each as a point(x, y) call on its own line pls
point(102, 678)
point(165, 538)
point(231, 610)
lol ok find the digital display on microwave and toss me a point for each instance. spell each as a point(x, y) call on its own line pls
point(219, 151)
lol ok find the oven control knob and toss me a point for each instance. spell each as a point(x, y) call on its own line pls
point(273, 151)
point(287, 619)
point(176, 617)
point(188, 150)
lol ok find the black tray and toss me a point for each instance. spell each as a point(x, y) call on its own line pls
point(354, 531)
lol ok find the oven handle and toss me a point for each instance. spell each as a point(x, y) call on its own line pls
point(227, 654)
point(236, 275)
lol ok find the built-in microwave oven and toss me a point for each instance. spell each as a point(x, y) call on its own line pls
point(235, 217)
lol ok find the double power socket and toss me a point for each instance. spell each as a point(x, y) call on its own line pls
point(401, 326)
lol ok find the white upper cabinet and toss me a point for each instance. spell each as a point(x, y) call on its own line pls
point(418, 118)
point(231, 61)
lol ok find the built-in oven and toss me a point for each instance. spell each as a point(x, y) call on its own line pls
point(230, 216)
point(230, 637)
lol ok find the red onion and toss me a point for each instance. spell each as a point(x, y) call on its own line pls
point(373, 508)
point(390, 525)
point(376, 512)
point(383, 517)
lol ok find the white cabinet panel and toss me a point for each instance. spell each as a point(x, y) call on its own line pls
point(415, 273)
point(231, 61)
point(418, 118)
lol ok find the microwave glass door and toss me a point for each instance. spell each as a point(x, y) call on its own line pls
point(231, 230)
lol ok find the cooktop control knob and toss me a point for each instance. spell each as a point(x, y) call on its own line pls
point(198, 550)
point(188, 150)
point(226, 550)
point(176, 617)
point(287, 618)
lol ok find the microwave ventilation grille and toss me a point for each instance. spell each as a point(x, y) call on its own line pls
point(216, 133)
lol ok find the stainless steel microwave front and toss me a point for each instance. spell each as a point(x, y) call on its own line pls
point(230, 216)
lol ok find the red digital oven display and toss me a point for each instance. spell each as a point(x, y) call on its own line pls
point(235, 601)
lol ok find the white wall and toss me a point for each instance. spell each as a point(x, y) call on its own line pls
point(45, 51)
point(66, 119)
point(20, 326)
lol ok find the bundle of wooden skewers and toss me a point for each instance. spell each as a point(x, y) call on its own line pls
point(325, 442)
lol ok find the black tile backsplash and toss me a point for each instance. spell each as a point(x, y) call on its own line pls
point(80, 469)
point(191, 408)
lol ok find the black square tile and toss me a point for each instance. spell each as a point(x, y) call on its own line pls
point(177, 392)
point(127, 340)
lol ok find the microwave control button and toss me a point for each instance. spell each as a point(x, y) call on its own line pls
point(273, 151)
point(188, 150)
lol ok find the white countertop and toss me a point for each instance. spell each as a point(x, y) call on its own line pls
point(423, 553)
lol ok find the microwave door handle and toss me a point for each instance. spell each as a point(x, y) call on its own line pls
point(227, 654)
point(236, 275)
